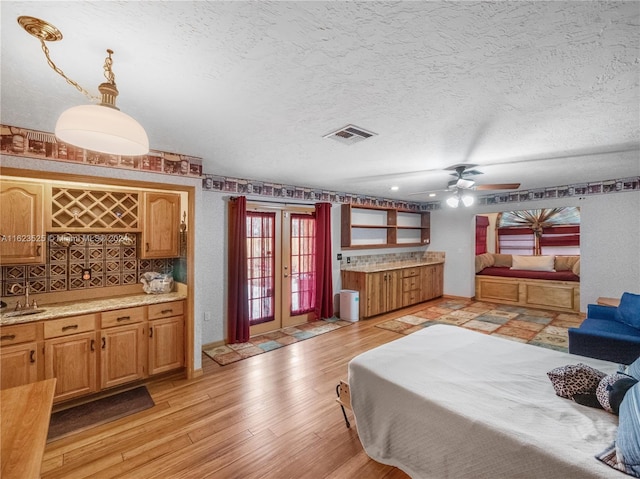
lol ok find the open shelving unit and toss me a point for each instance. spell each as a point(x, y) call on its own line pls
point(367, 227)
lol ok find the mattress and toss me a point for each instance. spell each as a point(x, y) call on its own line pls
point(447, 402)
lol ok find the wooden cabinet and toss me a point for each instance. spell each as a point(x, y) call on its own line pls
point(123, 350)
point(384, 291)
point(160, 230)
point(166, 337)
point(411, 284)
point(22, 235)
point(19, 355)
point(71, 356)
point(375, 227)
point(431, 277)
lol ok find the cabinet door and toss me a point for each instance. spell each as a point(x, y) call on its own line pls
point(72, 360)
point(160, 231)
point(393, 281)
point(431, 282)
point(122, 355)
point(18, 365)
point(166, 344)
point(375, 294)
point(22, 238)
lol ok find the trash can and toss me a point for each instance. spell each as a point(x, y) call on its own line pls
point(349, 305)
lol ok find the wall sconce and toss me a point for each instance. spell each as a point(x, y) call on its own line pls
point(102, 127)
point(455, 200)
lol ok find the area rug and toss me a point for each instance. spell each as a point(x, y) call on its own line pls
point(547, 329)
point(100, 411)
point(230, 353)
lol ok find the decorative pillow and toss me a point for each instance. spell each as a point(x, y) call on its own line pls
point(634, 369)
point(533, 263)
point(611, 390)
point(565, 263)
point(483, 261)
point(575, 379)
point(576, 268)
point(502, 260)
point(629, 310)
point(628, 437)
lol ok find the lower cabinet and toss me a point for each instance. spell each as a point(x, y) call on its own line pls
point(20, 357)
point(384, 291)
point(166, 337)
point(122, 355)
point(73, 361)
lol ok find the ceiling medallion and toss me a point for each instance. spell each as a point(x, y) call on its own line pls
point(40, 29)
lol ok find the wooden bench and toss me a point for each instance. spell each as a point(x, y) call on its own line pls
point(531, 293)
point(24, 422)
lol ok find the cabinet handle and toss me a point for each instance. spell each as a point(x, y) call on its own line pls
point(147, 247)
point(123, 318)
point(151, 331)
point(71, 326)
point(104, 342)
point(38, 250)
point(8, 337)
point(32, 356)
point(166, 311)
point(93, 345)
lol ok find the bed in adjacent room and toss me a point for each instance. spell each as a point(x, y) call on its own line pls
point(447, 402)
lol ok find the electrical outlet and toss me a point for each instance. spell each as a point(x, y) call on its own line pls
point(348, 259)
point(339, 256)
point(207, 315)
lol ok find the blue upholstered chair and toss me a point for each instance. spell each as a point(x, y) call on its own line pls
point(609, 333)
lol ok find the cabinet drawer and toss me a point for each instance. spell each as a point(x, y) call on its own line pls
point(410, 297)
point(164, 310)
point(120, 317)
point(19, 333)
point(410, 272)
point(67, 326)
point(410, 284)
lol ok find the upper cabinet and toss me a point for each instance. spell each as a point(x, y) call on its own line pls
point(161, 225)
point(374, 227)
point(82, 209)
point(22, 237)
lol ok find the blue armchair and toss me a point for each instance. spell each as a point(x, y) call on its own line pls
point(609, 333)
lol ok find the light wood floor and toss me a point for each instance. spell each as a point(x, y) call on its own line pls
point(270, 416)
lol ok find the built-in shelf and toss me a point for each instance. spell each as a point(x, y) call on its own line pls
point(378, 227)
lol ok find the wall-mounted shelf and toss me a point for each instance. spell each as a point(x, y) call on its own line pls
point(368, 227)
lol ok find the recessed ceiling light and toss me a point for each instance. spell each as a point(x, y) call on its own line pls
point(394, 188)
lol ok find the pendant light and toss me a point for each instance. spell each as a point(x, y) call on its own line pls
point(100, 127)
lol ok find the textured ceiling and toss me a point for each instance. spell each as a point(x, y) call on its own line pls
point(541, 93)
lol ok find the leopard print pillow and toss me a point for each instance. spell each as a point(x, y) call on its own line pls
point(575, 379)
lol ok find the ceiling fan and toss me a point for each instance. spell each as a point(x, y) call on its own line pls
point(462, 180)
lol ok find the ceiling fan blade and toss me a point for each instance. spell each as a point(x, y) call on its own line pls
point(499, 186)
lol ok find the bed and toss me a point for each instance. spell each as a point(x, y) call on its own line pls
point(447, 402)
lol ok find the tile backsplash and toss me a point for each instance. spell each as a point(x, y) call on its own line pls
point(111, 262)
point(373, 259)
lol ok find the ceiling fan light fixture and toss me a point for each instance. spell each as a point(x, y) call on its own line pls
point(467, 200)
point(453, 201)
point(102, 127)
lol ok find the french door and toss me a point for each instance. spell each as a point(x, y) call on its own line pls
point(280, 266)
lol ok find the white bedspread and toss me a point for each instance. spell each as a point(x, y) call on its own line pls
point(447, 402)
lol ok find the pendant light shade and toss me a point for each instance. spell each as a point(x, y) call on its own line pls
point(103, 129)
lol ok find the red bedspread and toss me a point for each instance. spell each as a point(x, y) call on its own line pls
point(520, 273)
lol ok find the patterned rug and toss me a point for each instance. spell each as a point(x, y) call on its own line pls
point(534, 326)
point(230, 353)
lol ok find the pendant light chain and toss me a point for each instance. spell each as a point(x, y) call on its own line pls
point(45, 49)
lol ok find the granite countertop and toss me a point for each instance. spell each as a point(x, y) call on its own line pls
point(61, 310)
point(374, 268)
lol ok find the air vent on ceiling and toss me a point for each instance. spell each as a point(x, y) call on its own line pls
point(350, 134)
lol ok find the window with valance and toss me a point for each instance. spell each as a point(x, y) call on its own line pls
point(551, 231)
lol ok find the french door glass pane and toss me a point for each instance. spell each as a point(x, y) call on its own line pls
point(261, 266)
point(303, 273)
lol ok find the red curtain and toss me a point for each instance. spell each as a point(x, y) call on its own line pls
point(238, 300)
point(324, 280)
point(482, 223)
